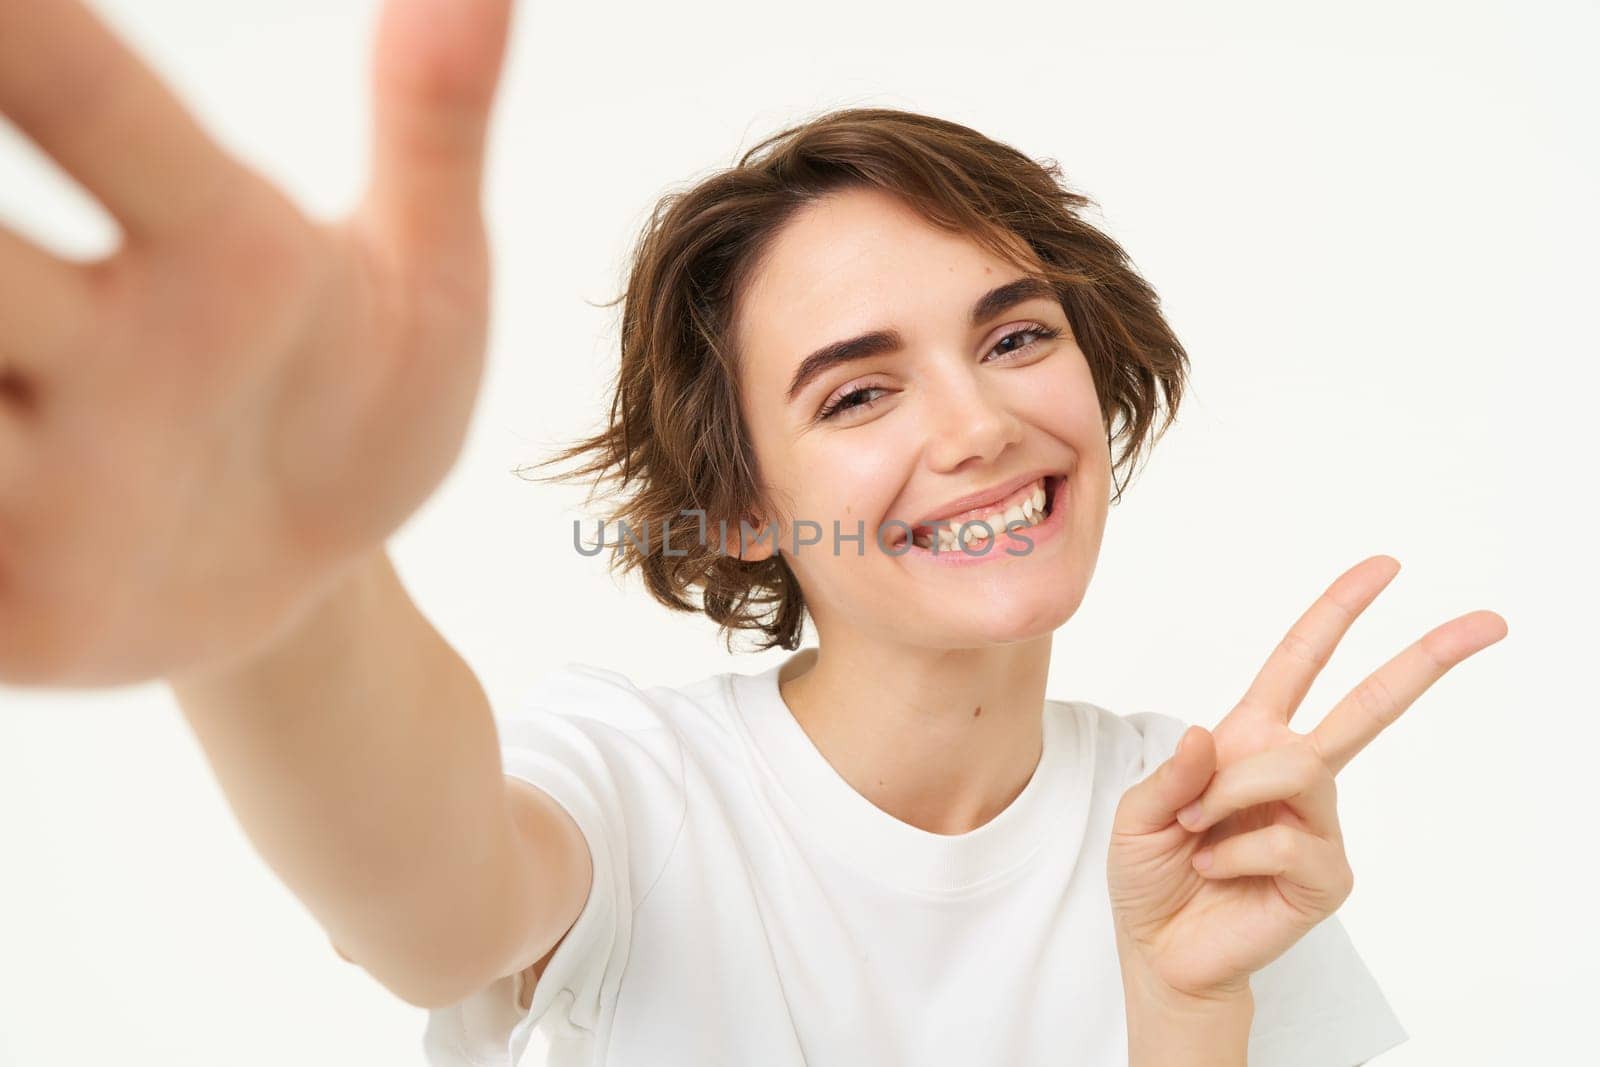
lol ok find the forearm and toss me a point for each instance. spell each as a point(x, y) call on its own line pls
point(1166, 1029)
point(359, 754)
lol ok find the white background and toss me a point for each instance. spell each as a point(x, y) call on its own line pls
point(1373, 226)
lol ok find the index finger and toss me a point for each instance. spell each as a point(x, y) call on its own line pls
point(1387, 692)
point(85, 98)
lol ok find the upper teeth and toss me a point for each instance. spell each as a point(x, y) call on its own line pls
point(1026, 508)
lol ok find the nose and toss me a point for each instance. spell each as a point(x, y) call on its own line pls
point(968, 418)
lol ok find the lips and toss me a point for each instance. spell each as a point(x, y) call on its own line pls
point(989, 514)
point(985, 499)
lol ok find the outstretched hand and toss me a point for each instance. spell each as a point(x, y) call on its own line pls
point(1227, 853)
point(200, 431)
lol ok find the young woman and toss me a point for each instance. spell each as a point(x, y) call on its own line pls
point(890, 848)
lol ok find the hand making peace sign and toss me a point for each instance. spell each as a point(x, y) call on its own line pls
point(1257, 799)
point(199, 431)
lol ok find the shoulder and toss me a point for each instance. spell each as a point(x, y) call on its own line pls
point(606, 697)
point(603, 707)
point(1126, 746)
point(608, 750)
point(580, 725)
point(597, 694)
point(691, 720)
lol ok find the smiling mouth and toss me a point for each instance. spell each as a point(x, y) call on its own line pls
point(1029, 507)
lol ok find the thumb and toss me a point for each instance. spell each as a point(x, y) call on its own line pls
point(1152, 803)
point(436, 67)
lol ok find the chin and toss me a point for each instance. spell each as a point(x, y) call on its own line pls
point(1049, 618)
point(1023, 617)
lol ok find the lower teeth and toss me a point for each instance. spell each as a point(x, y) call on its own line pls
point(976, 537)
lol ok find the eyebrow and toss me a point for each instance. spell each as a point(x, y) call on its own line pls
point(877, 342)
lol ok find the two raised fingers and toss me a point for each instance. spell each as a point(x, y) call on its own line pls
point(1292, 774)
point(1385, 694)
point(1379, 700)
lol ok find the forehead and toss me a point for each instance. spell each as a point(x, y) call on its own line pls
point(856, 260)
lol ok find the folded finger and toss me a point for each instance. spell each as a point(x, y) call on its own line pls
point(1292, 774)
point(1315, 865)
point(85, 98)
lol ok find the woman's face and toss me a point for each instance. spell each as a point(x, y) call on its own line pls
point(973, 397)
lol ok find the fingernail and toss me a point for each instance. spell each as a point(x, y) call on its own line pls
point(1202, 859)
point(1189, 813)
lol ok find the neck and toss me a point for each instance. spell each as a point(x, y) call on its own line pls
point(941, 739)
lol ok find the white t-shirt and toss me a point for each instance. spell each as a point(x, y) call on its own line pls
point(749, 908)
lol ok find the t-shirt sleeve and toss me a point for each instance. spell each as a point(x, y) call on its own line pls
point(603, 750)
point(1317, 1005)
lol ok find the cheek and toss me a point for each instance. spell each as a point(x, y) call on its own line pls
point(1060, 399)
point(1062, 403)
point(849, 480)
point(852, 481)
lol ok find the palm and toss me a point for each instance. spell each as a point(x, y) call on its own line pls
point(1204, 930)
point(200, 430)
point(1200, 933)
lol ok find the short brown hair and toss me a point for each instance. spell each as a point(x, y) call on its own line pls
point(676, 440)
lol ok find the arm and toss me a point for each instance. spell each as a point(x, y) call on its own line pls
point(207, 438)
point(363, 723)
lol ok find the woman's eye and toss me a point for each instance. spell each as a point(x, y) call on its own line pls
point(1039, 332)
point(845, 402)
point(1013, 344)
